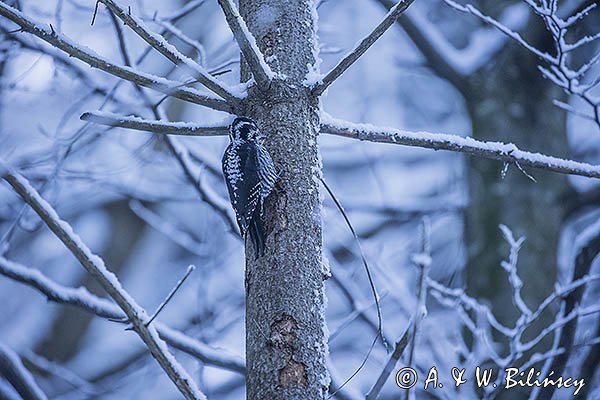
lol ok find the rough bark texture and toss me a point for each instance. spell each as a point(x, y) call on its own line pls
point(286, 344)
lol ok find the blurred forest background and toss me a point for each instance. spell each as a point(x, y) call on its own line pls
point(437, 70)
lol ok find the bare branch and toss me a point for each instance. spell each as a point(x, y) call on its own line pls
point(162, 127)
point(171, 88)
point(456, 64)
point(362, 46)
point(171, 29)
point(587, 249)
point(581, 42)
point(136, 315)
point(167, 299)
point(192, 172)
point(88, 302)
point(160, 44)
point(510, 267)
point(508, 153)
point(469, 9)
point(422, 261)
point(13, 370)
point(260, 69)
point(571, 20)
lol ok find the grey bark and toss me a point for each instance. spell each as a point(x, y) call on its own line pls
point(286, 343)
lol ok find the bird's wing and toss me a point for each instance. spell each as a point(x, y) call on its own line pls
point(240, 167)
point(267, 172)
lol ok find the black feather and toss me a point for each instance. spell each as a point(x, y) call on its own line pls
point(257, 234)
point(250, 176)
point(245, 191)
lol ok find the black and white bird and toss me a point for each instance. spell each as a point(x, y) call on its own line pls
point(250, 176)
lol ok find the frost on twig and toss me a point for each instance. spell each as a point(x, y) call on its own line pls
point(81, 298)
point(160, 44)
point(587, 248)
point(12, 369)
point(564, 68)
point(362, 46)
point(260, 69)
point(508, 153)
point(486, 329)
point(95, 266)
point(158, 126)
point(166, 86)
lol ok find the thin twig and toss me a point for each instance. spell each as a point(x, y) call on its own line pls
point(136, 315)
point(509, 153)
point(65, 44)
point(162, 305)
point(399, 347)
point(423, 261)
point(19, 377)
point(193, 174)
point(379, 333)
point(468, 8)
point(103, 308)
point(160, 44)
point(260, 69)
point(362, 46)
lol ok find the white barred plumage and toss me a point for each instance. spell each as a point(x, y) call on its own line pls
point(250, 176)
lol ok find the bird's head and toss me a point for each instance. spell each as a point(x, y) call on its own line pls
point(243, 129)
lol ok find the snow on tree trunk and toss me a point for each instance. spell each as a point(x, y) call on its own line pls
point(286, 337)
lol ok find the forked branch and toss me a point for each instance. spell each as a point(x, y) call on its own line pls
point(362, 46)
point(160, 44)
point(507, 153)
point(136, 315)
point(260, 69)
point(166, 86)
point(103, 308)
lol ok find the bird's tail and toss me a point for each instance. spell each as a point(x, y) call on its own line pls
point(257, 235)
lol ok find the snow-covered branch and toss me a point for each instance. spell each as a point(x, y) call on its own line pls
point(362, 46)
point(468, 8)
point(136, 315)
point(518, 346)
point(166, 86)
point(20, 378)
point(560, 69)
point(260, 69)
point(91, 303)
point(587, 247)
point(450, 62)
point(507, 153)
point(164, 127)
point(160, 44)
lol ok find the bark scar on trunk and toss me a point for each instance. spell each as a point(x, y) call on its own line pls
point(283, 338)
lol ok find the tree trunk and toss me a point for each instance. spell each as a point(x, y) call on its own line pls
point(513, 103)
point(286, 342)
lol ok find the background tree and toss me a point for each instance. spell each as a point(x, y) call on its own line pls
point(283, 89)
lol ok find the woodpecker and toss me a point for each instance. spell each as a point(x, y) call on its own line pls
point(250, 176)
